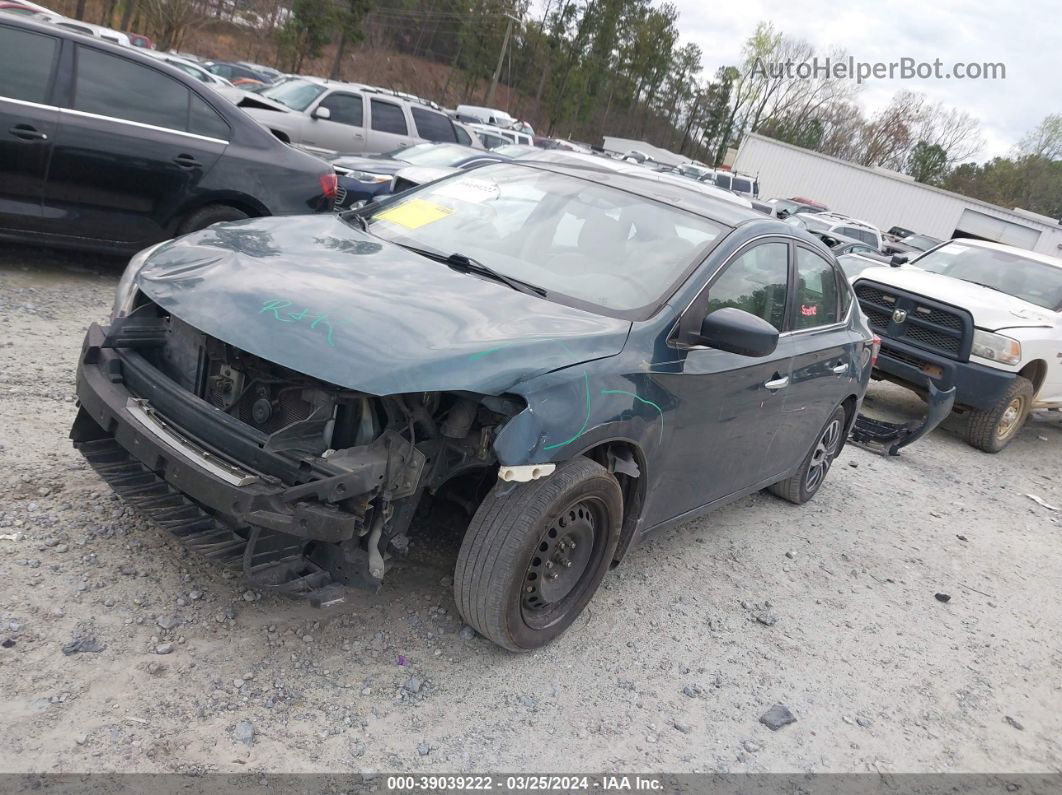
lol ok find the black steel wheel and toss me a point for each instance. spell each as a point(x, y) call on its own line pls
point(535, 554)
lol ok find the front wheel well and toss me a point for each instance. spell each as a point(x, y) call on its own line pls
point(1036, 372)
point(632, 486)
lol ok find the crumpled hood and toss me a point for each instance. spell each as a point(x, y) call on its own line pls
point(991, 309)
point(318, 296)
point(374, 165)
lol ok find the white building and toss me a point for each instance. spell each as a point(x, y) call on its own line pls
point(886, 198)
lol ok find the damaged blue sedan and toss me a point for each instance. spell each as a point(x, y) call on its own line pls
point(563, 356)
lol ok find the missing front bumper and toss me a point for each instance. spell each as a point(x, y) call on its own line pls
point(888, 438)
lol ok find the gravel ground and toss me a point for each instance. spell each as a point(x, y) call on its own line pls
point(828, 609)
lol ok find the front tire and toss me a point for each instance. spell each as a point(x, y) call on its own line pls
point(535, 553)
point(802, 486)
point(993, 429)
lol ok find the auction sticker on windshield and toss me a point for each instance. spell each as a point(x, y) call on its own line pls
point(468, 189)
point(414, 213)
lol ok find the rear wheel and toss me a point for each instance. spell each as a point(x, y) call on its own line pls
point(535, 554)
point(993, 429)
point(801, 487)
point(211, 214)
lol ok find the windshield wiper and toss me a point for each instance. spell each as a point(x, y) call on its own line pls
point(464, 264)
point(986, 286)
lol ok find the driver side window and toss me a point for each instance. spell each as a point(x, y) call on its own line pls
point(757, 282)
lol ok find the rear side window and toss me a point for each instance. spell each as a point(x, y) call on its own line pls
point(388, 118)
point(111, 86)
point(345, 109)
point(817, 291)
point(462, 136)
point(433, 126)
point(756, 282)
point(26, 63)
point(204, 120)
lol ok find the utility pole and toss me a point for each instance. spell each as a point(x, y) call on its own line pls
point(501, 59)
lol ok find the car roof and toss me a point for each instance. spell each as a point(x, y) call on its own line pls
point(648, 184)
point(1046, 259)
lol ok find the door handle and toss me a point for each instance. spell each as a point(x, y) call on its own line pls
point(777, 383)
point(840, 369)
point(28, 132)
point(186, 161)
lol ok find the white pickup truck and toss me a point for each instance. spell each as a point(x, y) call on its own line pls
point(981, 317)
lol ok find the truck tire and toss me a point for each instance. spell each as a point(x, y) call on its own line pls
point(535, 553)
point(993, 429)
point(801, 487)
point(211, 214)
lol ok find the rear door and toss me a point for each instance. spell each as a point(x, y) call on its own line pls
point(388, 127)
point(344, 129)
point(825, 354)
point(133, 146)
point(729, 405)
point(28, 123)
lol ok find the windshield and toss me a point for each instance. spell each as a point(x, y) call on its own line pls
point(295, 94)
point(921, 242)
point(434, 154)
point(1010, 273)
point(593, 244)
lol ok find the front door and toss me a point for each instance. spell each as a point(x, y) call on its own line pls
point(729, 406)
point(131, 149)
point(28, 123)
point(344, 129)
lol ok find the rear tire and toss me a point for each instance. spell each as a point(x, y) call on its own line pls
point(993, 429)
point(535, 553)
point(211, 214)
point(803, 485)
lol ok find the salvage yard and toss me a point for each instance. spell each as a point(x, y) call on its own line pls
point(120, 651)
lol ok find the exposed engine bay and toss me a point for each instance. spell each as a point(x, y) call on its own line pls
point(335, 474)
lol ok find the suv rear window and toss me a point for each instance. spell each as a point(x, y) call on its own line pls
point(26, 61)
point(388, 118)
point(433, 126)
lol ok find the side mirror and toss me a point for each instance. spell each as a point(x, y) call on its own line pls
point(321, 112)
point(737, 331)
point(899, 259)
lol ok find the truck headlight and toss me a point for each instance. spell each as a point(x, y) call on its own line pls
point(126, 292)
point(996, 347)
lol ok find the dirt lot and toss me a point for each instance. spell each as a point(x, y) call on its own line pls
point(828, 609)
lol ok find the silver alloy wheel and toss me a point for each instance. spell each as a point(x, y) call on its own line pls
point(822, 457)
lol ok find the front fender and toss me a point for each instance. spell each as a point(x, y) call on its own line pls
point(571, 410)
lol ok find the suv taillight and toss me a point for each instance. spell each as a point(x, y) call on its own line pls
point(329, 183)
point(875, 349)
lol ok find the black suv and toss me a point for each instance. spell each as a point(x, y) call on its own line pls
point(104, 148)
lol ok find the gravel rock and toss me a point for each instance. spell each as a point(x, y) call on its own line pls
point(466, 633)
point(1014, 722)
point(412, 685)
point(243, 732)
point(942, 597)
point(423, 749)
point(693, 691)
point(164, 648)
point(168, 622)
point(685, 728)
point(777, 717)
point(84, 644)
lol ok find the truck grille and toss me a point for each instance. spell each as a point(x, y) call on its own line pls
point(916, 320)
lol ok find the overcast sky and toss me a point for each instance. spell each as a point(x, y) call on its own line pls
point(1024, 35)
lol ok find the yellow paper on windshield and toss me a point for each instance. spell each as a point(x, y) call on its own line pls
point(414, 213)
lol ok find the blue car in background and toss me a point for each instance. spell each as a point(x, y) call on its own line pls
point(361, 178)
